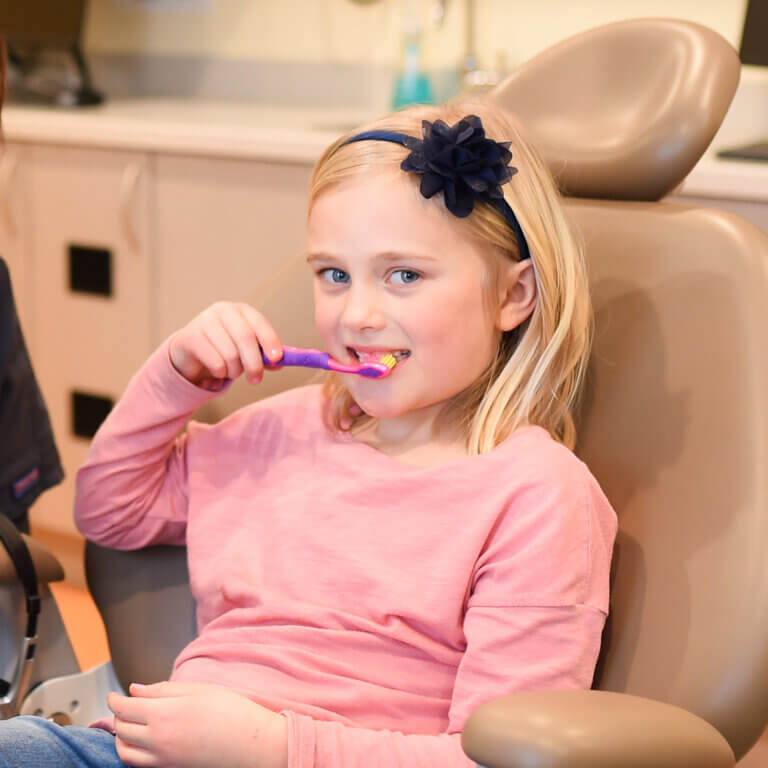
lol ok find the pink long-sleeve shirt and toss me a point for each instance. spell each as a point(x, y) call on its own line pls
point(374, 603)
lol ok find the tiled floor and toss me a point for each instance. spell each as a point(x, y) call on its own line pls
point(84, 625)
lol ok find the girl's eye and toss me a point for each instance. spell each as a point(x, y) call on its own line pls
point(332, 275)
point(405, 276)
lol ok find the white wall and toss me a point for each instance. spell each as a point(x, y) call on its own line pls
point(341, 31)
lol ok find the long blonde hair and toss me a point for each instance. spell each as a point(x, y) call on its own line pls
point(538, 368)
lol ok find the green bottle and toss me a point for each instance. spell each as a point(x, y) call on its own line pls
point(412, 86)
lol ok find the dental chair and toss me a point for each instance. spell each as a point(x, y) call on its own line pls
point(674, 424)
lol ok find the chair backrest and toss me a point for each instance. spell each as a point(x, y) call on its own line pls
point(624, 111)
point(675, 427)
point(146, 603)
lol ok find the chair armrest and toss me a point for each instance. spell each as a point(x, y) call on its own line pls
point(47, 567)
point(591, 729)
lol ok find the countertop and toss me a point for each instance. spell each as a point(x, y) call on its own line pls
point(727, 179)
point(285, 134)
point(186, 127)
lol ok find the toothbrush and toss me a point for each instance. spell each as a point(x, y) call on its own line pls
point(314, 358)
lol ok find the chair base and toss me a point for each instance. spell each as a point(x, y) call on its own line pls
point(78, 699)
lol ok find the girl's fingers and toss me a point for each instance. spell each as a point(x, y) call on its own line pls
point(134, 734)
point(208, 357)
point(134, 756)
point(222, 342)
point(245, 339)
point(127, 709)
point(265, 333)
point(168, 689)
point(156, 690)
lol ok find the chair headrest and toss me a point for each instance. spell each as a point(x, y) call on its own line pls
point(624, 111)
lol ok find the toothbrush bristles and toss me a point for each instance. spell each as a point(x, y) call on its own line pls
point(389, 360)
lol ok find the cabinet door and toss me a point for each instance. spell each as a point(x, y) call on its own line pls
point(15, 238)
point(91, 278)
point(234, 230)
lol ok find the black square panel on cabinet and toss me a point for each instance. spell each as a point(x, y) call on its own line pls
point(90, 270)
point(88, 412)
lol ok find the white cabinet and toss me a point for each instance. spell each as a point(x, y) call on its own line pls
point(70, 202)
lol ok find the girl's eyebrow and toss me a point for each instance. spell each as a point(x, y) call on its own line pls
point(384, 256)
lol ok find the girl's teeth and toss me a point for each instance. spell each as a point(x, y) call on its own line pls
point(367, 357)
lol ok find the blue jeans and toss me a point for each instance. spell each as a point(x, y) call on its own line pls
point(34, 742)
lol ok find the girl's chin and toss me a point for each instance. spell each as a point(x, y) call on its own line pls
point(389, 407)
point(381, 407)
point(379, 410)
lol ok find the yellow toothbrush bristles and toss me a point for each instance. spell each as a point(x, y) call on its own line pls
point(389, 360)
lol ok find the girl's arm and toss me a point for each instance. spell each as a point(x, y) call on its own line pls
point(132, 490)
point(548, 648)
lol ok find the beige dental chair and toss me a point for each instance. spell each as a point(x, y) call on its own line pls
point(674, 424)
point(675, 419)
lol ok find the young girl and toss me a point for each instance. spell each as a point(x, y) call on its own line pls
point(371, 558)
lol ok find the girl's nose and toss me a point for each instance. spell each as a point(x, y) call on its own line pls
point(362, 310)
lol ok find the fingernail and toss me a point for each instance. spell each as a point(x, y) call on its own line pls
point(138, 686)
point(274, 354)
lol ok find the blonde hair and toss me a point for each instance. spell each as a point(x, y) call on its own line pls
point(538, 368)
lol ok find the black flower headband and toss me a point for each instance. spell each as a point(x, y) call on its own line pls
point(459, 160)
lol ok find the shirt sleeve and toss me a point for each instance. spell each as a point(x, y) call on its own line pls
point(534, 621)
point(132, 490)
point(316, 744)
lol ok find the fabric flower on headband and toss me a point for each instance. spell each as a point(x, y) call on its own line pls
point(461, 162)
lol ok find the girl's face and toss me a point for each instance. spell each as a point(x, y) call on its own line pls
point(394, 274)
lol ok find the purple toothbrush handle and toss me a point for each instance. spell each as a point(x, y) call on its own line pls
point(307, 358)
point(314, 358)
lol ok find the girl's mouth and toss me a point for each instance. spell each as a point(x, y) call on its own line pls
point(374, 357)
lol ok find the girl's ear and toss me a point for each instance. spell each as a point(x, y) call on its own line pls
point(517, 294)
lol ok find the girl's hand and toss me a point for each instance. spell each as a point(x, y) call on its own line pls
point(224, 341)
point(179, 725)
